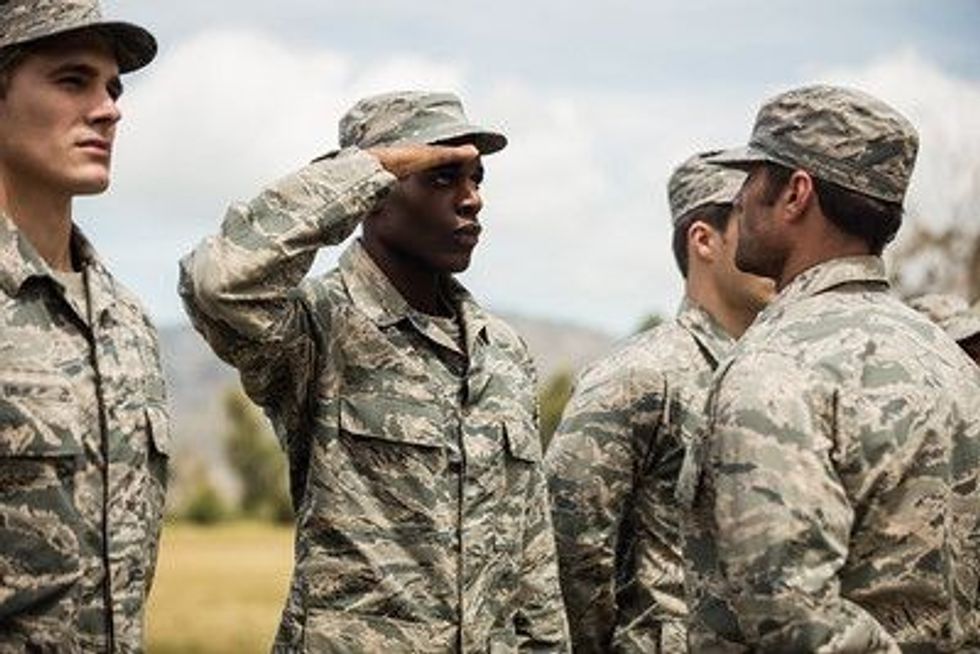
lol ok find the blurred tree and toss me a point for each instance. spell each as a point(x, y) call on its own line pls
point(553, 395)
point(255, 457)
point(203, 504)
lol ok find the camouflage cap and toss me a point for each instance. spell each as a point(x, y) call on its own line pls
point(950, 312)
point(24, 21)
point(414, 117)
point(696, 183)
point(836, 134)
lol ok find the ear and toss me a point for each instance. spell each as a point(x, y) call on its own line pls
point(702, 241)
point(798, 195)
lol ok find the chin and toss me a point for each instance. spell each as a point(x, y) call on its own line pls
point(455, 264)
point(90, 186)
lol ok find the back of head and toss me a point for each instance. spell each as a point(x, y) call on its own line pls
point(699, 190)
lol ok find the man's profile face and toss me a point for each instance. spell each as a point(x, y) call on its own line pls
point(744, 289)
point(431, 216)
point(58, 117)
point(759, 250)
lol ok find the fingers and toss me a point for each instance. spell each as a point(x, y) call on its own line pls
point(404, 160)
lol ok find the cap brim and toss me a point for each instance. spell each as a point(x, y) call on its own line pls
point(742, 158)
point(486, 141)
point(135, 47)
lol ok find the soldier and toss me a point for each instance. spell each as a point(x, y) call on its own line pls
point(83, 422)
point(955, 316)
point(407, 412)
point(834, 496)
point(613, 463)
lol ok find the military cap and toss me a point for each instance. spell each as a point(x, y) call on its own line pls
point(25, 21)
point(950, 312)
point(836, 134)
point(696, 183)
point(419, 117)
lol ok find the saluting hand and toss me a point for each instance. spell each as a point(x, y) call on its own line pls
point(404, 160)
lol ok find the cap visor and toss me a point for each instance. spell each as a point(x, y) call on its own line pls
point(740, 158)
point(486, 142)
point(135, 47)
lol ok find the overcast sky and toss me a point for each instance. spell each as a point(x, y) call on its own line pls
point(599, 99)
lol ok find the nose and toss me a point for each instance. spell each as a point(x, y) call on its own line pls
point(106, 112)
point(470, 202)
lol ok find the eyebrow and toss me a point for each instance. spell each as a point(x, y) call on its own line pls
point(114, 85)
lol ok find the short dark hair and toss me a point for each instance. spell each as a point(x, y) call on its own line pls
point(872, 220)
point(714, 214)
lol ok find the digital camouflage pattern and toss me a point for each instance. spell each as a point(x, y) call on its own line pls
point(422, 510)
point(23, 21)
point(612, 468)
point(413, 117)
point(83, 454)
point(696, 183)
point(836, 134)
point(951, 312)
point(834, 495)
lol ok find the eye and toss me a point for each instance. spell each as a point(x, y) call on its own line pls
point(443, 177)
point(74, 82)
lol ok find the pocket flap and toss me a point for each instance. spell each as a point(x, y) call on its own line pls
point(159, 426)
point(522, 442)
point(411, 423)
point(37, 419)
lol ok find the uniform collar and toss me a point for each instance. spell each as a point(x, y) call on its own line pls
point(709, 334)
point(831, 274)
point(375, 296)
point(20, 261)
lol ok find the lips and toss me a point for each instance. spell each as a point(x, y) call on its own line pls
point(468, 235)
point(96, 144)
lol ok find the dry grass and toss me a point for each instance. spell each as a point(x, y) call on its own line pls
point(219, 589)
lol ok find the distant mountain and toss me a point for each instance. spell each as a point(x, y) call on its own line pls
point(198, 380)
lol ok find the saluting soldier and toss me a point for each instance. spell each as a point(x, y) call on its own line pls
point(406, 410)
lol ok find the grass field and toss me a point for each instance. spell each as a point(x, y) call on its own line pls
point(219, 589)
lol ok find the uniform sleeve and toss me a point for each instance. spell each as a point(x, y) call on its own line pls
point(780, 514)
point(540, 623)
point(591, 467)
point(240, 287)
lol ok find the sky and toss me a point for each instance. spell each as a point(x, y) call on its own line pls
point(600, 100)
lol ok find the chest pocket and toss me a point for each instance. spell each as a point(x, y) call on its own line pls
point(40, 452)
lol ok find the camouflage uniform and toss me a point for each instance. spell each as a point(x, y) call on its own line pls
point(83, 419)
point(415, 465)
point(83, 454)
point(834, 494)
point(613, 464)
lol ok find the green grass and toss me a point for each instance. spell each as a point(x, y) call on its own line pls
point(219, 589)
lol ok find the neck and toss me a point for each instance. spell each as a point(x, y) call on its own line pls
point(734, 319)
point(418, 284)
point(44, 218)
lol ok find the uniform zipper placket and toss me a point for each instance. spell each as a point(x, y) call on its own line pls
point(104, 441)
